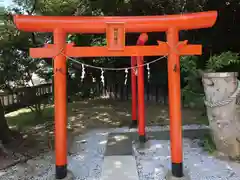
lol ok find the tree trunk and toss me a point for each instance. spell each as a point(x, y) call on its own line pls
point(6, 135)
point(222, 114)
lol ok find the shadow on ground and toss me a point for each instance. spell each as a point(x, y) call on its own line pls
point(82, 116)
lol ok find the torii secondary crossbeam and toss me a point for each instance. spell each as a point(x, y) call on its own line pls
point(115, 29)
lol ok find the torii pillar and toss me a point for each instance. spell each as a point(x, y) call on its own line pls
point(115, 29)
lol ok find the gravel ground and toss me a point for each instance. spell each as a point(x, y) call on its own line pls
point(87, 153)
point(82, 117)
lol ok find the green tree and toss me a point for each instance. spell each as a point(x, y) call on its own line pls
point(16, 67)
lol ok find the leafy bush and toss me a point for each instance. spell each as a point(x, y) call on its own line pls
point(217, 62)
point(193, 90)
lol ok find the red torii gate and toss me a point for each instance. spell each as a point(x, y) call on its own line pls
point(115, 29)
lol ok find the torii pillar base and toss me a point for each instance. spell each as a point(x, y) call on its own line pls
point(169, 176)
point(69, 176)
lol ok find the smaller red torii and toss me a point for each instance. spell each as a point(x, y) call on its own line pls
point(115, 29)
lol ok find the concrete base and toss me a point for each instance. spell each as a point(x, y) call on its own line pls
point(118, 145)
point(142, 146)
point(70, 176)
point(119, 168)
point(169, 176)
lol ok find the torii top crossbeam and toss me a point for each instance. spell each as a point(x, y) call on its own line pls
point(91, 24)
point(115, 29)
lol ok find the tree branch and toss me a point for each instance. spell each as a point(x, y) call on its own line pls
point(30, 13)
point(29, 75)
point(33, 8)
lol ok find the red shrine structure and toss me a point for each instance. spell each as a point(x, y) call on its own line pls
point(115, 29)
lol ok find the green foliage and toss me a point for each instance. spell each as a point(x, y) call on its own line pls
point(189, 65)
point(47, 7)
point(2, 10)
point(208, 144)
point(217, 62)
point(13, 41)
point(213, 64)
point(193, 91)
point(147, 7)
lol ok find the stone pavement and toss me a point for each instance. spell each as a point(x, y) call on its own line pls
point(100, 154)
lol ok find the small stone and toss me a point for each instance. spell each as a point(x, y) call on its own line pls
point(83, 141)
point(31, 162)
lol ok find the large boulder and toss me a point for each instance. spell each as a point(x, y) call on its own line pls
point(221, 90)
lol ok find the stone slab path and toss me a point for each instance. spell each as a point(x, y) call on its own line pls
point(119, 168)
point(96, 155)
